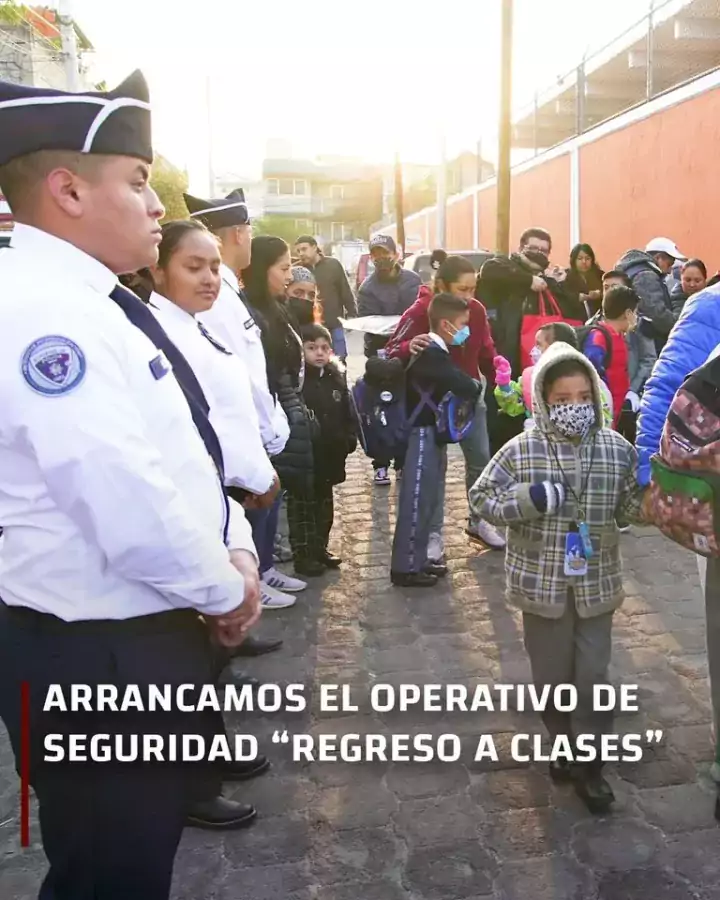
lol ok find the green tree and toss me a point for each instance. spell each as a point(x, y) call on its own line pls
point(169, 183)
point(278, 226)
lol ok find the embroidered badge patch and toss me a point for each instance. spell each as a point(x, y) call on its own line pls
point(159, 366)
point(53, 365)
point(248, 323)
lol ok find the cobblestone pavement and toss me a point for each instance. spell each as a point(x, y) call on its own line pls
point(465, 830)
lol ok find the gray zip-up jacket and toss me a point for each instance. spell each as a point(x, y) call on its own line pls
point(649, 284)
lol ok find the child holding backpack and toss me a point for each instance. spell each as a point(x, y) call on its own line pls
point(558, 489)
point(432, 374)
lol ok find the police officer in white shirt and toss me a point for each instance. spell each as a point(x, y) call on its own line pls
point(117, 530)
point(187, 279)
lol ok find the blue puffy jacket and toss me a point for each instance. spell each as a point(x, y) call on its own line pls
point(692, 340)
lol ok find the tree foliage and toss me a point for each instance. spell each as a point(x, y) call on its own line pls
point(169, 183)
point(278, 226)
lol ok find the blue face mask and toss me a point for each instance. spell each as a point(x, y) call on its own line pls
point(461, 336)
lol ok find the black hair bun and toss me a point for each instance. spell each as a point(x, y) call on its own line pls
point(437, 258)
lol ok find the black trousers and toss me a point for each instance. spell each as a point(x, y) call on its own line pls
point(110, 830)
point(310, 520)
point(627, 425)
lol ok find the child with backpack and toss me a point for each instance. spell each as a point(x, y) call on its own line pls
point(326, 395)
point(558, 489)
point(604, 343)
point(514, 398)
point(430, 377)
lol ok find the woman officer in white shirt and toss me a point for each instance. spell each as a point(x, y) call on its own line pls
point(187, 281)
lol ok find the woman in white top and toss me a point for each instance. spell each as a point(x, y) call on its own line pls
point(187, 282)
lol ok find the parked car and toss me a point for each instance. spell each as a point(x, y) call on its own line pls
point(420, 262)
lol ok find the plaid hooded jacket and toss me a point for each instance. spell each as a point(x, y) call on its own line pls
point(601, 471)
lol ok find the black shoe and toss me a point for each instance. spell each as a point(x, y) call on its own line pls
point(330, 560)
point(253, 646)
point(220, 814)
point(311, 568)
point(437, 569)
point(413, 579)
point(593, 790)
point(244, 771)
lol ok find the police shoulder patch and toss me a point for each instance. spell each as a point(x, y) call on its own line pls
point(53, 365)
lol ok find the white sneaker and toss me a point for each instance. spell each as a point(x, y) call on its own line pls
point(382, 476)
point(436, 549)
point(282, 582)
point(488, 534)
point(270, 598)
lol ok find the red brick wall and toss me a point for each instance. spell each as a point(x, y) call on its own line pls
point(487, 213)
point(657, 177)
point(460, 225)
point(541, 197)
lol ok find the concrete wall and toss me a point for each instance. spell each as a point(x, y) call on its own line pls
point(649, 172)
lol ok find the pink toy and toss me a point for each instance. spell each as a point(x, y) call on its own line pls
point(503, 371)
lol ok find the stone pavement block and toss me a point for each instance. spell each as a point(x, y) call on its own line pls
point(695, 856)
point(645, 884)
point(502, 744)
point(364, 854)
point(415, 781)
point(21, 875)
point(657, 773)
point(291, 880)
point(439, 820)
point(343, 807)
point(376, 890)
point(614, 843)
point(552, 877)
point(692, 741)
point(274, 795)
point(268, 842)
point(455, 871)
point(512, 789)
point(519, 833)
point(680, 807)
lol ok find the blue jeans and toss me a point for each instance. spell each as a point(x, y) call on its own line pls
point(264, 524)
point(338, 341)
point(476, 450)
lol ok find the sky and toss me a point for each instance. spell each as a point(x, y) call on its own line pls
point(345, 78)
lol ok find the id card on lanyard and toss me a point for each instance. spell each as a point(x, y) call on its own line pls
point(578, 543)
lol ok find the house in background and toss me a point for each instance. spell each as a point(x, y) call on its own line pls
point(335, 200)
point(30, 48)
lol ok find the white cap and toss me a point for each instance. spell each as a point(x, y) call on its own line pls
point(665, 245)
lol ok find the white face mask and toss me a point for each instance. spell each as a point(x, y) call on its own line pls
point(572, 419)
point(535, 354)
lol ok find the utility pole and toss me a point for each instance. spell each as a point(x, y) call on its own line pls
point(502, 239)
point(442, 195)
point(399, 205)
point(68, 40)
point(211, 167)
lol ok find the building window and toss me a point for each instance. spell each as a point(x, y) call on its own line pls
point(339, 231)
point(300, 187)
point(304, 226)
point(286, 187)
point(273, 186)
point(337, 192)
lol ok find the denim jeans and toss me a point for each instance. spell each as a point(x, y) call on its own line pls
point(476, 450)
point(264, 523)
point(338, 341)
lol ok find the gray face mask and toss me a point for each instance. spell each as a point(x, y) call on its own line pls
point(572, 419)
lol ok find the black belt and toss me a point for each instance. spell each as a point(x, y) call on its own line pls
point(156, 623)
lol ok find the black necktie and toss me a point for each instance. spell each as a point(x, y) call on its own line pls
point(141, 317)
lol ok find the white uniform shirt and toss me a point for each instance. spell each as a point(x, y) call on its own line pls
point(234, 325)
point(110, 503)
point(226, 384)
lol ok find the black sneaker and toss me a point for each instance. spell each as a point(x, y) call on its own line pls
point(439, 570)
point(413, 579)
point(560, 772)
point(330, 560)
point(311, 568)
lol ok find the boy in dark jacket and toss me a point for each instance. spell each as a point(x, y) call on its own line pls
point(326, 394)
point(432, 371)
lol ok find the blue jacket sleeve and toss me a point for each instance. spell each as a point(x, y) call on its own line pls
point(691, 342)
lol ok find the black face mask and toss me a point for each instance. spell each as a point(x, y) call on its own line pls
point(303, 310)
point(538, 258)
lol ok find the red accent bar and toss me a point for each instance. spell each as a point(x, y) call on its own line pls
point(24, 764)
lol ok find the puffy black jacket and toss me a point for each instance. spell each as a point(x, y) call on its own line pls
point(295, 465)
point(326, 394)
